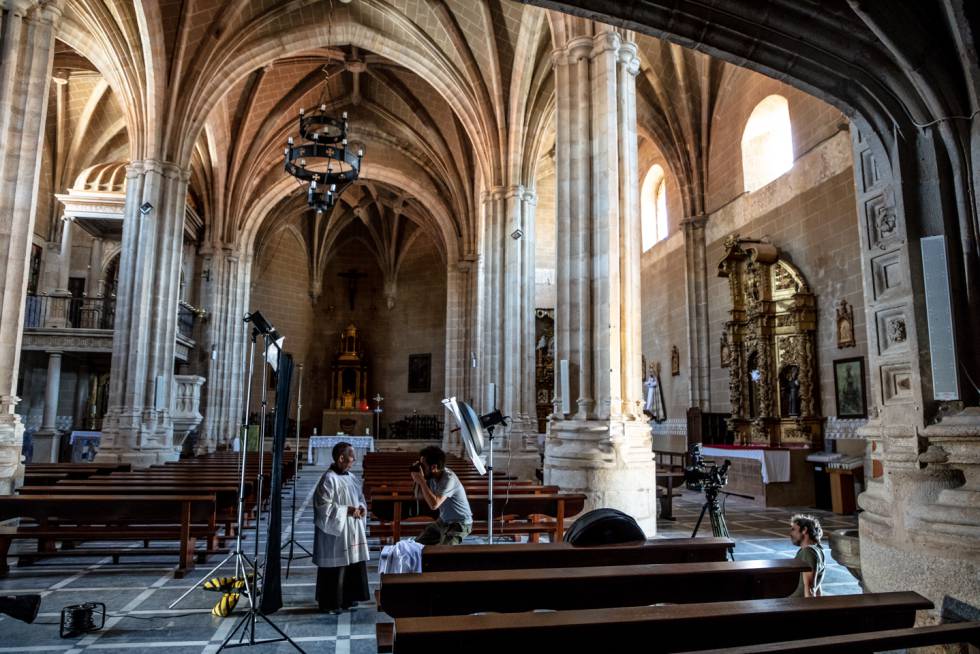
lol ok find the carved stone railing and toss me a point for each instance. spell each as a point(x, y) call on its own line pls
point(187, 407)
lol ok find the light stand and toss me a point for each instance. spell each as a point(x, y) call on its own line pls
point(488, 422)
point(247, 622)
point(292, 542)
point(242, 562)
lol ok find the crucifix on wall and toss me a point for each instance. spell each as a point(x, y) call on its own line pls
point(351, 276)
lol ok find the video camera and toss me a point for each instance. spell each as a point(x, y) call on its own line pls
point(700, 476)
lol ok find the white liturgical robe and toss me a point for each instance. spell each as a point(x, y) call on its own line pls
point(340, 539)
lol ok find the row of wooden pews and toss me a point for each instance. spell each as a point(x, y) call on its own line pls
point(190, 502)
point(521, 508)
point(554, 597)
point(672, 595)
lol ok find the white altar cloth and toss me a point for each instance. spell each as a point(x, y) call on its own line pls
point(775, 463)
point(361, 445)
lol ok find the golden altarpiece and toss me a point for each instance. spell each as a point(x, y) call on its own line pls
point(348, 401)
point(772, 348)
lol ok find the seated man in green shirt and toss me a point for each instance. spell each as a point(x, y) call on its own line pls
point(805, 532)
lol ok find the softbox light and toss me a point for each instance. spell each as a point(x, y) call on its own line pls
point(470, 431)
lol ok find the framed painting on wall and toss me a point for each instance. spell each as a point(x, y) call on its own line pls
point(419, 373)
point(849, 388)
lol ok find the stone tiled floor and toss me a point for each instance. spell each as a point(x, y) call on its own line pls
point(763, 533)
point(137, 595)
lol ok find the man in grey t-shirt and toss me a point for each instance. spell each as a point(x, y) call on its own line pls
point(442, 490)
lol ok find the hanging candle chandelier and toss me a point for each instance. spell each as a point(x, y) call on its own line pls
point(322, 159)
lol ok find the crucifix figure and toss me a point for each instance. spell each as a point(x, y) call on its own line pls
point(352, 276)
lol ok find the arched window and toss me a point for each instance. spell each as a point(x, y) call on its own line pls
point(653, 207)
point(767, 143)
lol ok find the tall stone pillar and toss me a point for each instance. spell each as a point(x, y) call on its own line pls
point(507, 313)
point(697, 312)
point(461, 330)
point(227, 296)
point(27, 32)
point(46, 440)
point(138, 426)
point(95, 268)
point(601, 445)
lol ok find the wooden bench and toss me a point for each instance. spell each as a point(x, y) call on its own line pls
point(562, 589)
point(867, 643)
point(675, 628)
point(393, 508)
point(444, 558)
point(226, 496)
point(107, 517)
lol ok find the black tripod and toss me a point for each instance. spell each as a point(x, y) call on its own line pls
point(292, 542)
point(716, 513)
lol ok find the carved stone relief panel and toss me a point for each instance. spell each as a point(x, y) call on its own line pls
point(882, 222)
point(896, 383)
point(892, 331)
point(870, 175)
point(888, 275)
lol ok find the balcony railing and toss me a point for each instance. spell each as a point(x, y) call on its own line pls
point(69, 312)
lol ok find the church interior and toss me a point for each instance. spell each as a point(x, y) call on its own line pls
point(630, 227)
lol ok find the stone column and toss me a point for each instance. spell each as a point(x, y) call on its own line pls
point(46, 440)
point(95, 267)
point(697, 312)
point(27, 33)
point(138, 426)
point(602, 446)
point(461, 330)
point(226, 295)
point(80, 403)
point(919, 525)
point(507, 317)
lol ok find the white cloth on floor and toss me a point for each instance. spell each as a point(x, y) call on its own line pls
point(403, 556)
point(339, 539)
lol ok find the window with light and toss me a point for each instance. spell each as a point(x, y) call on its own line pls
point(653, 207)
point(767, 143)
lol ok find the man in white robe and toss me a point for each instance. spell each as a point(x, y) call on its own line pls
point(340, 549)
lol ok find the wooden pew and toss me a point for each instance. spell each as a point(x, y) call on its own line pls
point(226, 497)
point(561, 589)
point(445, 558)
point(79, 470)
point(673, 628)
point(393, 508)
point(107, 517)
point(867, 643)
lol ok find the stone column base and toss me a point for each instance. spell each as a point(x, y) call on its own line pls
point(11, 445)
point(47, 447)
point(942, 575)
point(138, 458)
point(610, 461)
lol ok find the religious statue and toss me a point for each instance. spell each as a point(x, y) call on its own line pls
point(726, 350)
point(845, 325)
point(790, 387)
point(675, 361)
point(348, 400)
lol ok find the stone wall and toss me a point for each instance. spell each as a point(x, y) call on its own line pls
point(808, 212)
point(665, 319)
point(280, 290)
point(415, 325)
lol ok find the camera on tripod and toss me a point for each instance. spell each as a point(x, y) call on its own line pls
point(700, 476)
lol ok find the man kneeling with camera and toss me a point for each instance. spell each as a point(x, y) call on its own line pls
point(442, 490)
